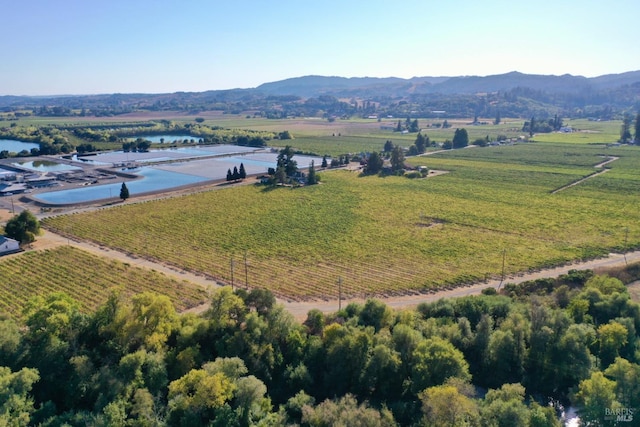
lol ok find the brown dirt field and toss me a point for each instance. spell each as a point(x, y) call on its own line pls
point(634, 290)
point(5, 215)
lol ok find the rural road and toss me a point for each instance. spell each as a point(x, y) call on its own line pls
point(300, 309)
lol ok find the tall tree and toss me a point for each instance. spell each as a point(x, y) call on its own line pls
point(460, 138)
point(23, 227)
point(388, 146)
point(397, 159)
point(421, 143)
point(312, 178)
point(612, 337)
point(194, 397)
point(625, 131)
point(147, 322)
point(285, 161)
point(374, 164)
point(124, 192)
point(505, 406)
point(16, 404)
point(627, 378)
point(557, 122)
point(242, 172)
point(434, 361)
point(444, 405)
point(596, 396)
point(532, 126)
point(636, 135)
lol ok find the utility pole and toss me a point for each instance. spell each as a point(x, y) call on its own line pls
point(504, 255)
point(246, 271)
point(232, 265)
point(626, 237)
point(339, 293)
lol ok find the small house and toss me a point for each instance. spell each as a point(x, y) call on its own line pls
point(8, 245)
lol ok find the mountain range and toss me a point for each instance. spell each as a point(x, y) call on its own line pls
point(310, 86)
point(515, 94)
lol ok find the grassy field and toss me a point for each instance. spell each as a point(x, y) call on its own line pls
point(391, 235)
point(365, 135)
point(319, 136)
point(89, 279)
point(585, 132)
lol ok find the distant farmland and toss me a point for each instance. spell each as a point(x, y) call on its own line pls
point(390, 235)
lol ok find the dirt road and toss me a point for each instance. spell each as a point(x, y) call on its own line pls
point(300, 309)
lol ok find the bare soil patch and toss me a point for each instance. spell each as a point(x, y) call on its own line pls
point(5, 215)
point(634, 290)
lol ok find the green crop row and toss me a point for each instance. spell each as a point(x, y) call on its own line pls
point(392, 234)
point(88, 278)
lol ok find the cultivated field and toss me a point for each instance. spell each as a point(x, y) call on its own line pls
point(391, 235)
point(89, 279)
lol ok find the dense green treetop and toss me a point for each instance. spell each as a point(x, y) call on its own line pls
point(246, 361)
point(23, 227)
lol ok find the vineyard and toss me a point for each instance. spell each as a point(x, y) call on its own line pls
point(389, 235)
point(89, 279)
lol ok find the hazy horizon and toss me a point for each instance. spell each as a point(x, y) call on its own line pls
point(74, 47)
point(286, 78)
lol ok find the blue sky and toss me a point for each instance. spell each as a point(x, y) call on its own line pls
point(144, 46)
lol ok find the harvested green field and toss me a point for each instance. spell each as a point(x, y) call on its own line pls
point(390, 235)
point(89, 279)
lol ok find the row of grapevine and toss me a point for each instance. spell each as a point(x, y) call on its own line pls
point(86, 277)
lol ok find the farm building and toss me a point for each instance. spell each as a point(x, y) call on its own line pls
point(8, 190)
point(8, 245)
point(37, 180)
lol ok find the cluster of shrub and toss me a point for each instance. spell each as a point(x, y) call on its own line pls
point(140, 145)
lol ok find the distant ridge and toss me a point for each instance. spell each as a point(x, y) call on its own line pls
point(308, 86)
point(315, 85)
point(513, 94)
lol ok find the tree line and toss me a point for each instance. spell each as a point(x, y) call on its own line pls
point(237, 174)
point(246, 361)
point(523, 102)
point(64, 139)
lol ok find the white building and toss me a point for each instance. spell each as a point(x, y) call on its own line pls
point(8, 245)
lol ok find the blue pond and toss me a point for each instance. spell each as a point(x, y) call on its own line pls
point(153, 180)
point(170, 175)
point(14, 146)
point(45, 166)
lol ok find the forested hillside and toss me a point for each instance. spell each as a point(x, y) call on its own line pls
point(510, 359)
point(509, 95)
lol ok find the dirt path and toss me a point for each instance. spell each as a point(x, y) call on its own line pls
point(300, 309)
point(599, 166)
